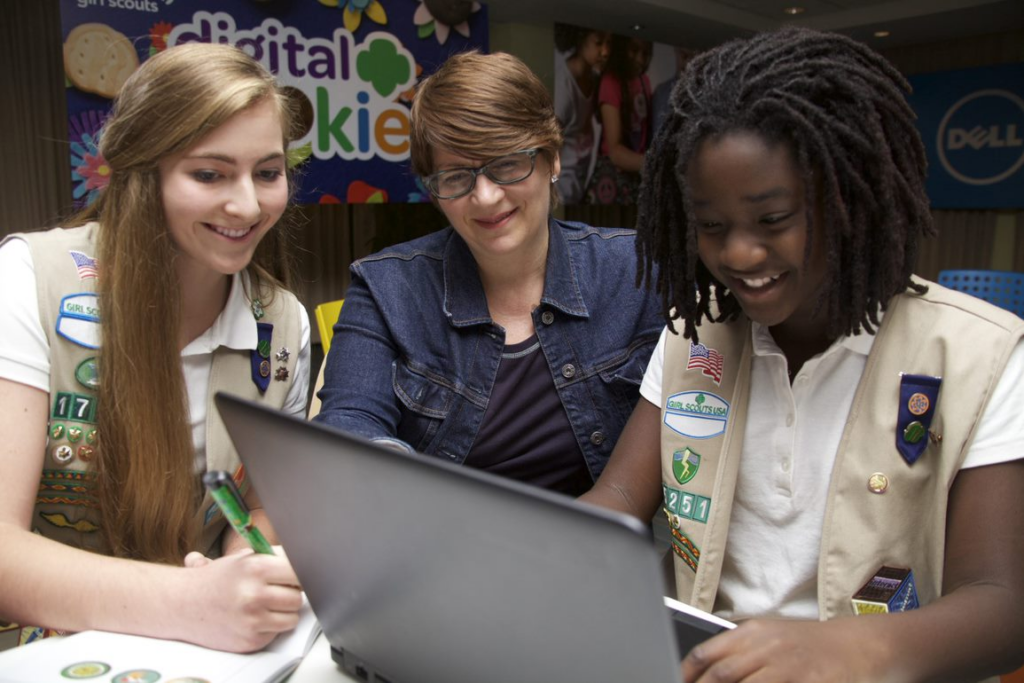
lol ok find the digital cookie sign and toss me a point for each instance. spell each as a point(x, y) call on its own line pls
point(352, 65)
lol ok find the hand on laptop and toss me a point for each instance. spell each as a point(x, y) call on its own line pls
point(796, 651)
point(240, 602)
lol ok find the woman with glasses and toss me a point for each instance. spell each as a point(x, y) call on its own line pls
point(509, 341)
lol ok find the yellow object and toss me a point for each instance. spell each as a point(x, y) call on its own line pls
point(326, 316)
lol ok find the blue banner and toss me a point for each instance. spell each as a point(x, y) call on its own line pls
point(972, 122)
point(352, 64)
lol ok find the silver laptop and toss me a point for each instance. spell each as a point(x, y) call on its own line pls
point(421, 571)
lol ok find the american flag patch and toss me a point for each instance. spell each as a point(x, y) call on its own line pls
point(86, 264)
point(708, 361)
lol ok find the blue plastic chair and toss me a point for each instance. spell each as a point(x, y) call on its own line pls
point(998, 287)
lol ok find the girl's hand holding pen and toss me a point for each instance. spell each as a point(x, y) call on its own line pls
point(241, 601)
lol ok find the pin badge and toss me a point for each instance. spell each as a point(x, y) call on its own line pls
point(63, 454)
point(918, 404)
point(284, 354)
point(260, 355)
point(74, 434)
point(257, 309)
point(90, 436)
point(914, 432)
point(57, 431)
point(281, 374)
point(878, 483)
point(85, 453)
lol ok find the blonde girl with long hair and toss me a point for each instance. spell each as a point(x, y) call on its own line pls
point(169, 288)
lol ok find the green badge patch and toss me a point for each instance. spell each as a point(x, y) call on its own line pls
point(685, 464)
point(87, 374)
point(687, 505)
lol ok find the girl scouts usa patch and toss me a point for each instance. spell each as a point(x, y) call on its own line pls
point(697, 414)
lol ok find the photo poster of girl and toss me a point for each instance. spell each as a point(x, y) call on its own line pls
point(610, 93)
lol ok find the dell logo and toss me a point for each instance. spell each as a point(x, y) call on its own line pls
point(981, 137)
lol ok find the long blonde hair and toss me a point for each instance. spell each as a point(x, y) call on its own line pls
point(147, 488)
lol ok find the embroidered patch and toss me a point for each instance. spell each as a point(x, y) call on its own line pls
point(68, 406)
point(60, 520)
point(685, 463)
point(685, 549)
point(687, 505)
point(79, 319)
point(708, 361)
point(88, 374)
point(697, 414)
point(891, 589)
point(85, 264)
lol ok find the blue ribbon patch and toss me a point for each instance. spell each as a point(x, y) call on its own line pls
point(261, 362)
point(918, 396)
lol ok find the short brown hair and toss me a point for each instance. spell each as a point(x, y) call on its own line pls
point(482, 106)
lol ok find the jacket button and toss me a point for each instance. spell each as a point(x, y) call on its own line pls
point(568, 371)
point(547, 317)
point(597, 438)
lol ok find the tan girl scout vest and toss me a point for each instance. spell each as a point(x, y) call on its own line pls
point(938, 334)
point(66, 509)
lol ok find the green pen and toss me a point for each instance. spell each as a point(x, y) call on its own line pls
point(229, 500)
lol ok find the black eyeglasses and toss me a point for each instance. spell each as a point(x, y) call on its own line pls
point(506, 170)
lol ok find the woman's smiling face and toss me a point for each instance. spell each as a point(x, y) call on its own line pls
point(225, 193)
point(500, 220)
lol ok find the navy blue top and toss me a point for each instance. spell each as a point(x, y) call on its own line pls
point(415, 353)
point(525, 434)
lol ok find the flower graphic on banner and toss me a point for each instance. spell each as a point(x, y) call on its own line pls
point(361, 192)
point(158, 33)
point(89, 170)
point(355, 9)
point(441, 16)
point(421, 195)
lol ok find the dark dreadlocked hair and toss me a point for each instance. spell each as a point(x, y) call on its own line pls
point(841, 109)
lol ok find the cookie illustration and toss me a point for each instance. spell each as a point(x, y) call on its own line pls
point(98, 59)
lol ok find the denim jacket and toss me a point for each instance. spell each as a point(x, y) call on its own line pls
point(415, 353)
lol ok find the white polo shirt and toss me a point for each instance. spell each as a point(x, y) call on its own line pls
point(25, 349)
point(789, 447)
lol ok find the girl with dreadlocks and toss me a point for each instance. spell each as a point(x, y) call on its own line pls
point(838, 437)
